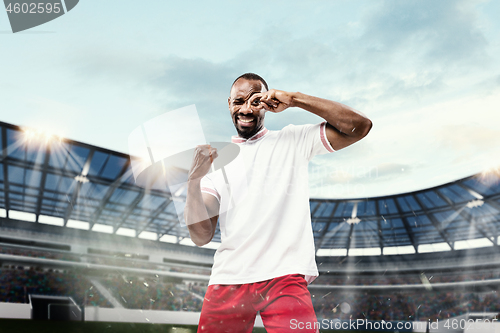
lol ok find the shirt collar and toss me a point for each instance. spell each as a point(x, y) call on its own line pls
point(255, 137)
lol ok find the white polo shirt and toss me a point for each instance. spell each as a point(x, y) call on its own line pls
point(266, 227)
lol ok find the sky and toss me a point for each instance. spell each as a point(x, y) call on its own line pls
point(427, 73)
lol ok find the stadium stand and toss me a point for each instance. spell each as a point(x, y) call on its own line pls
point(73, 222)
point(152, 294)
point(404, 306)
point(16, 283)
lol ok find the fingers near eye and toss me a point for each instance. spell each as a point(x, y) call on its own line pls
point(255, 102)
point(268, 106)
point(255, 99)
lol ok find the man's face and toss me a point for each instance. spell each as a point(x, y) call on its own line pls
point(248, 119)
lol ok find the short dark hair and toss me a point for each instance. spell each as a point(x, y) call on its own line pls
point(251, 76)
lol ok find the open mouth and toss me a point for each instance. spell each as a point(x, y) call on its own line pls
point(245, 122)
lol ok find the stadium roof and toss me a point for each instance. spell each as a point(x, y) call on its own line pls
point(458, 215)
point(46, 179)
point(51, 180)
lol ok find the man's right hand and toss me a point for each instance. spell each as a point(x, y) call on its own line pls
point(204, 156)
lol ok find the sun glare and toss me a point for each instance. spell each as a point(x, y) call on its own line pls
point(492, 170)
point(40, 136)
point(490, 176)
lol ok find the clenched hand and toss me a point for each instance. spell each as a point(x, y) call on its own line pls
point(204, 156)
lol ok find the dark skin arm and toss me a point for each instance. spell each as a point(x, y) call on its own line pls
point(202, 209)
point(345, 125)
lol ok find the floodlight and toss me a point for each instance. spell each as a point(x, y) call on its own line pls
point(81, 179)
point(40, 136)
point(475, 203)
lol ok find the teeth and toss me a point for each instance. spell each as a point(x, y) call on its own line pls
point(246, 121)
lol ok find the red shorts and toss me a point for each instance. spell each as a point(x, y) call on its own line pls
point(284, 304)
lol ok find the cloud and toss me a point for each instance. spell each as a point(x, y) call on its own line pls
point(399, 62)
point(413, 52)
point(394, 56)
point(201, 82)
point(124, 66)
point(439, 32)
point(390, 169)
point(468, 138)
point(409, 53)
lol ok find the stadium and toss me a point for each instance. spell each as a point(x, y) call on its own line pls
point(84, 248)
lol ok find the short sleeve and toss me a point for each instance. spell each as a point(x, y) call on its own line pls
point(311, 140)
point(207, 186)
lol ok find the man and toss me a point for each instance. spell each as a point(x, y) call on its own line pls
point(267, 256)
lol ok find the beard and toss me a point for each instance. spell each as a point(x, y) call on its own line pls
point(248, 132)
